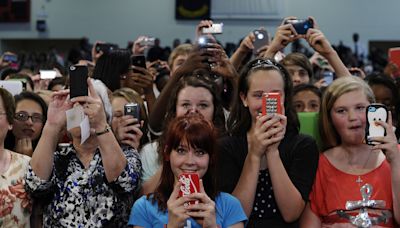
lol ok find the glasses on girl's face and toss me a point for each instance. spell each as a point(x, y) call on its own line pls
point(24, 116)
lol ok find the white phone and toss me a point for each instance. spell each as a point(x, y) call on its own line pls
point(214, 29)
point(375, 112)
point(14, 87)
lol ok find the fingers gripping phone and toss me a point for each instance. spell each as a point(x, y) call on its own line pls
point(375, 112)
point(261, 39)
point(78, 81)
point(271, 104)
point(190, 183)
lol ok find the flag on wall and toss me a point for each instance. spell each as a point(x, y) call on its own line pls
point(192, 9)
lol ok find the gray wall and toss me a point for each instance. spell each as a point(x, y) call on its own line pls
point(121, 20)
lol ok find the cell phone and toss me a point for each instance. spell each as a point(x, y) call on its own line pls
point(24, 82)
point(375, 112)
point(139, 61)
point(78, 81)
point(394, 57)
point(261, 39)
point(47, 74)
point(105, 47)
point(328, 77)
point(271, 103)
point(300, 25)
point(132, 109)
point(216, 28)
point(11, 58)
point(14, 87)
point(203, 41)
point(147, 41)
point(190, 183)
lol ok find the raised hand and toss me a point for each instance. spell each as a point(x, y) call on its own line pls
point(177, 212)
point(24, 146)
point(128, 131)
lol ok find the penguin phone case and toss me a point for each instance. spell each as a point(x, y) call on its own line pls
point(375, 112)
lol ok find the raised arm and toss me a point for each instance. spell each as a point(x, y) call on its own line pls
point(320, 44)
point(42, 158)
point(245, 47)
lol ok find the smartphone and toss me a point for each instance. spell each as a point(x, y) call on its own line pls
point(132, 109)
point(147, 41)
point(78, 81)
point(271, 103)
point(375, 112)
point(216, 28)
point(139, 61)
point(105, 47)
point(47, 74)
point(24, 82)
point(14, 87)
point(328, 77)
point(189, 184)
point(301, 25)
point(11, 58)
point(261, 39)
point(394, 57)
point(204, 40)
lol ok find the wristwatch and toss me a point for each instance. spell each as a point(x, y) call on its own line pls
point(106, 129)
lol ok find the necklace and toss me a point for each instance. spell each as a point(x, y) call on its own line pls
point(350, 164)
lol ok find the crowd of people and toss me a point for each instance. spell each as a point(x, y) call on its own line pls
point(84, 161)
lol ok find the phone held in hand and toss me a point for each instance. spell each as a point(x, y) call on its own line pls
point(10, 58)
point(139, 61)
point(271, 103)
point(328, 76)
point(301, 25)
point(132, 109)
point(78, 75)
point(190, 183)
point(261, 40)
point(105, 47)
point(216, 28)
point(375, 112)
point(47, 74)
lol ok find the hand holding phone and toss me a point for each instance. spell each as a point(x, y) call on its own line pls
point(139, 61)
point(271, 104)
point(375, 112)
point(10, 58)
point(132, 109)
point(301, 25)
point(105, 47)
point(190, 183)
point(78, 81)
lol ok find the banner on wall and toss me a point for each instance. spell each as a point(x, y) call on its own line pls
point(192, 9)
point(15, 11)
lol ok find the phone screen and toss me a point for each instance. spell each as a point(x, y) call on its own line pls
point(78, 81)
point(47, 74)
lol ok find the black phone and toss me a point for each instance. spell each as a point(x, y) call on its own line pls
point(375, 112)
point(132, 109)
point(301, 25)
point(105, 47)
point(261, 39)
point(78, 81)
point(139, 61)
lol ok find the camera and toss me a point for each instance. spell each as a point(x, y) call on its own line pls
point(300, 25)
point(203, 41)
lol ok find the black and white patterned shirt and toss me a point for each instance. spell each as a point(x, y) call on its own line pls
point(79, 197)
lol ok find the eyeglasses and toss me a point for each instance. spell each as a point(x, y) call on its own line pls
point(24, 116)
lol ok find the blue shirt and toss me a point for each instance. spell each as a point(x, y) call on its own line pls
point(229, 211)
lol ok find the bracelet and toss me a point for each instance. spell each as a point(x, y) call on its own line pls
point(106, 129)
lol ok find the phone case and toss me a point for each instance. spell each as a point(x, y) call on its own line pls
point(271, 103)
point(261, 39)
point(13, 86)
point(189, 184)
point(132, 109)
point(375, 112)
point(78, 81)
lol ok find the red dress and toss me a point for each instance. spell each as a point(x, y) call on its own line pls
point(333, 188)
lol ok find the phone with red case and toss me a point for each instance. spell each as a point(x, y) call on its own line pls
point(271, 103)
point(190, 183)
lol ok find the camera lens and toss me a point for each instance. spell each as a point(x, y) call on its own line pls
point(260, 36)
